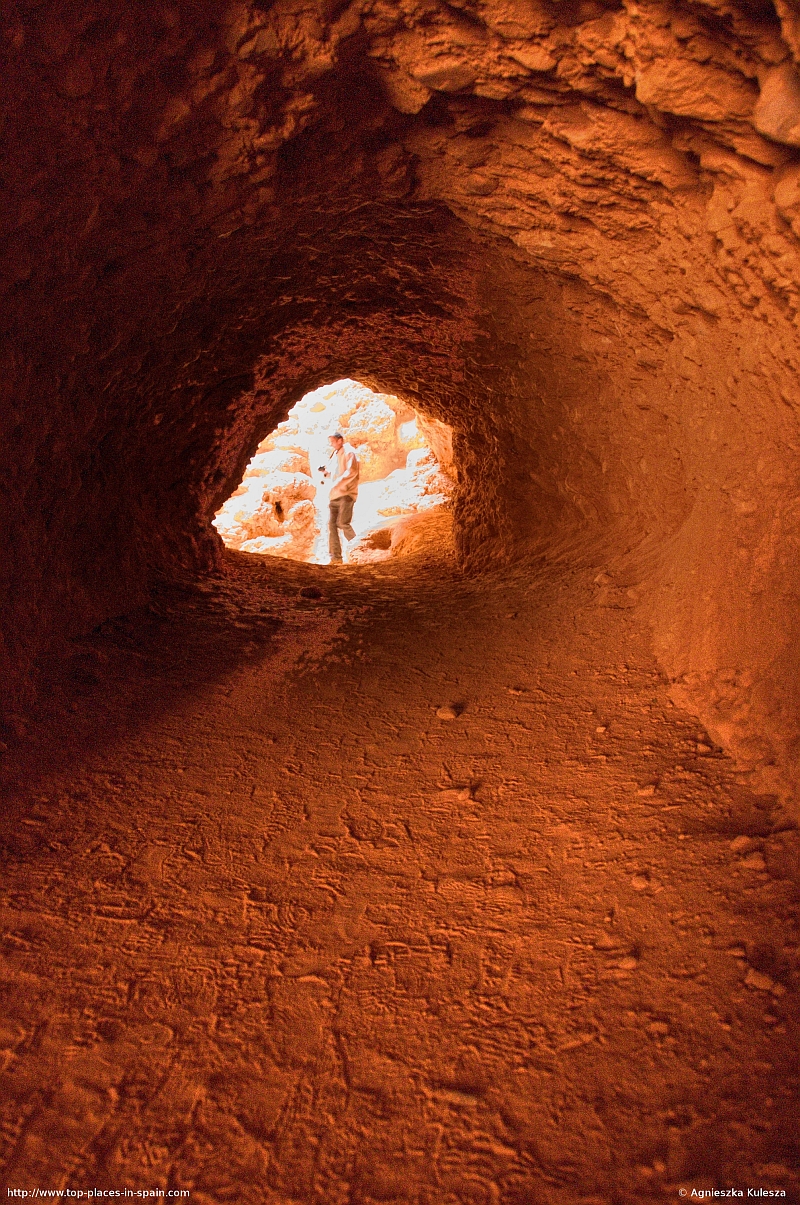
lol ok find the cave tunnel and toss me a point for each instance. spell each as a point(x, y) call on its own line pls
point(469, 876)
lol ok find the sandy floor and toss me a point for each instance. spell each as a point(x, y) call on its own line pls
point(275, 932)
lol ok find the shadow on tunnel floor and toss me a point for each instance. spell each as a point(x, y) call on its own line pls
point(194, 633)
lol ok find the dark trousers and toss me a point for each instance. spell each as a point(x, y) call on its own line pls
point(341, 514)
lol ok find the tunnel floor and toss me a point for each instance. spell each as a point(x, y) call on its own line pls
point(276, 932)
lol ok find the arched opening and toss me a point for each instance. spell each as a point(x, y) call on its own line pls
point(281, 506)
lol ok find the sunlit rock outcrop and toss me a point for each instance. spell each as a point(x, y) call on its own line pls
point(418, 486)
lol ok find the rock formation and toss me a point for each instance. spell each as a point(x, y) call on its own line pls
point(272, 510)
point(418, 486)
point(568, 230)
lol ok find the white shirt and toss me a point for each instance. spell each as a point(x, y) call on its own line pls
point(347, 472)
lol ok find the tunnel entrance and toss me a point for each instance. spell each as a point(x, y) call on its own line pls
point(280, 508)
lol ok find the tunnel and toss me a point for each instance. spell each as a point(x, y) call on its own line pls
point(468, 876)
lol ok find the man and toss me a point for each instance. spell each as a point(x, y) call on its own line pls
point(344, 491)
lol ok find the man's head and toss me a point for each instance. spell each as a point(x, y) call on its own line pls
point(336, 440)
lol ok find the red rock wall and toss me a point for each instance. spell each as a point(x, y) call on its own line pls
point(567, 229)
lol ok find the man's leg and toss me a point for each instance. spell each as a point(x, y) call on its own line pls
point(334, 543)
point(346, 505)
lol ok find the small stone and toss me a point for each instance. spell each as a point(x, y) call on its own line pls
point(703, 748)
point(536, 58)
point(646, 791)
point(628, 963)
point(777, 111)
point(456, 795)
point(744, 845)
point(640, 882)
point(444, 74)
point(516, 690)
point(448, 711)
point(754, 861)
point(604, 942)
point(658, 1028)
point(737, 952)
point(310, 592)
point(601, 728)
point(758, 981)
point(770, 1019)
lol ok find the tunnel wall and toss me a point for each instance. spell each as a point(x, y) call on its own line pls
point(566, 229)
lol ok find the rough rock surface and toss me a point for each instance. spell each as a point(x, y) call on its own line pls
point(483, 937)
point(381, 428)
point(274, 510)
point(404, 533)
point(570, 228)
point(372, 431)
point(418, 486)
point(390, 884)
